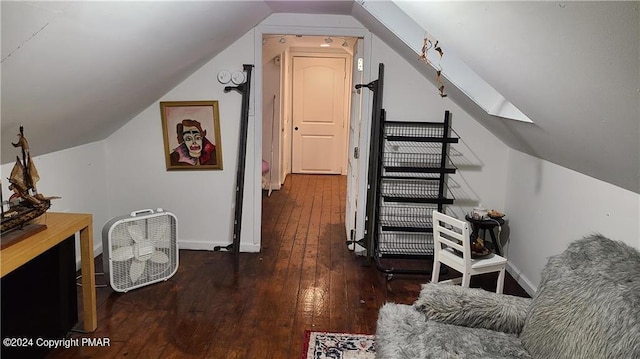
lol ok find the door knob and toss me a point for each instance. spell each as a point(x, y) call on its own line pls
point(295, 128)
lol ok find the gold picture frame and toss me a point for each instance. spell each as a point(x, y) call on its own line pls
point(191, 131)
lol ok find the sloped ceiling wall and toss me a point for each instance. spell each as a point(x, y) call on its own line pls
point(572, 67)
point(74, 72)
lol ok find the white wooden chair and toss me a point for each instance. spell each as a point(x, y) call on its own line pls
point(452, 247)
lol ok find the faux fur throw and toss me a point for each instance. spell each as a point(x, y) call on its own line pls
point(404, 333)
point(587, 304)
point(476, 308)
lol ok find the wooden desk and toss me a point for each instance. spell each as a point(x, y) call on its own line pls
point(60, 226)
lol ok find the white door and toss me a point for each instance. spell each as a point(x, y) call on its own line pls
point(319, 113)
point(354, 140)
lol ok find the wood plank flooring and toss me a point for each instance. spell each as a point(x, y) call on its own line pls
point(258, 305)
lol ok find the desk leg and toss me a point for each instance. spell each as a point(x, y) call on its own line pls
point(89, 315)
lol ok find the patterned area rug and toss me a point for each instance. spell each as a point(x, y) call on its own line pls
point(325, 345)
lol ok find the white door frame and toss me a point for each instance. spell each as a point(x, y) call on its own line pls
point(256, 134)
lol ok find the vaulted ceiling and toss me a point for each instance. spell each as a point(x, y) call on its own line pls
point(74, 72)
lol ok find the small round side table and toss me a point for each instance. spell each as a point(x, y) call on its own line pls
point(486, 224)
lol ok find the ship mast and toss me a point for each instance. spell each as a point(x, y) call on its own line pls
point(25, 148)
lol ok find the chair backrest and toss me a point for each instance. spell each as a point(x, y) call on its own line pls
point(452, 233)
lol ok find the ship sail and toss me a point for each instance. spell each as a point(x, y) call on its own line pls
point(33, 173)
point(17, 176)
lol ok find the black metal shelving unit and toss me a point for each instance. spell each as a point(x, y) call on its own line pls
point(407, 179)
point(412, 176)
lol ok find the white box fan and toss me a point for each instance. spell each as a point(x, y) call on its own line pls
point(140, 249)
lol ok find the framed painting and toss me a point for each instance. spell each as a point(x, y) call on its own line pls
point(191, 132)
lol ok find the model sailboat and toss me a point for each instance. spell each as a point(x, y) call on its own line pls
point(25, 204)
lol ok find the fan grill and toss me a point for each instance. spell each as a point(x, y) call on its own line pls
point(142, 251)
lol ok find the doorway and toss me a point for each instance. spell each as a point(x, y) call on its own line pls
point(306, 105)
point(279, 53)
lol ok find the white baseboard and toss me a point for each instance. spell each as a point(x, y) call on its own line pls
point(523, 281)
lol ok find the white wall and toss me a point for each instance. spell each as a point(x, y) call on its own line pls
point(548, 206)
point(203, 201)
point(78, 176)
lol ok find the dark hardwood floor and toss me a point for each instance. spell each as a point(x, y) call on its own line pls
point(258, 305)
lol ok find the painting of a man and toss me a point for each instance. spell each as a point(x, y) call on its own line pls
point(191, 132)
point(194, 149)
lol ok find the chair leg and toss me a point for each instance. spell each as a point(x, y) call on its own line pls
point(500, 284)
point(436, 271)
point(466, 279)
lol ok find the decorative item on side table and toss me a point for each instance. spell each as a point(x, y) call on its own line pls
point(485, 220)
point(25, 204)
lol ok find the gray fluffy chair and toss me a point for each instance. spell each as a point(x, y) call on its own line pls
point(587, 306)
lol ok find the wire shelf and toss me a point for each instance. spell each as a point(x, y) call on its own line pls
point(414, 157)
point(414, 162)
point(391, 243)
point(409, 187)
point(412, 147)
point(399, 173)
point(400, 215)
point(418, 129)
